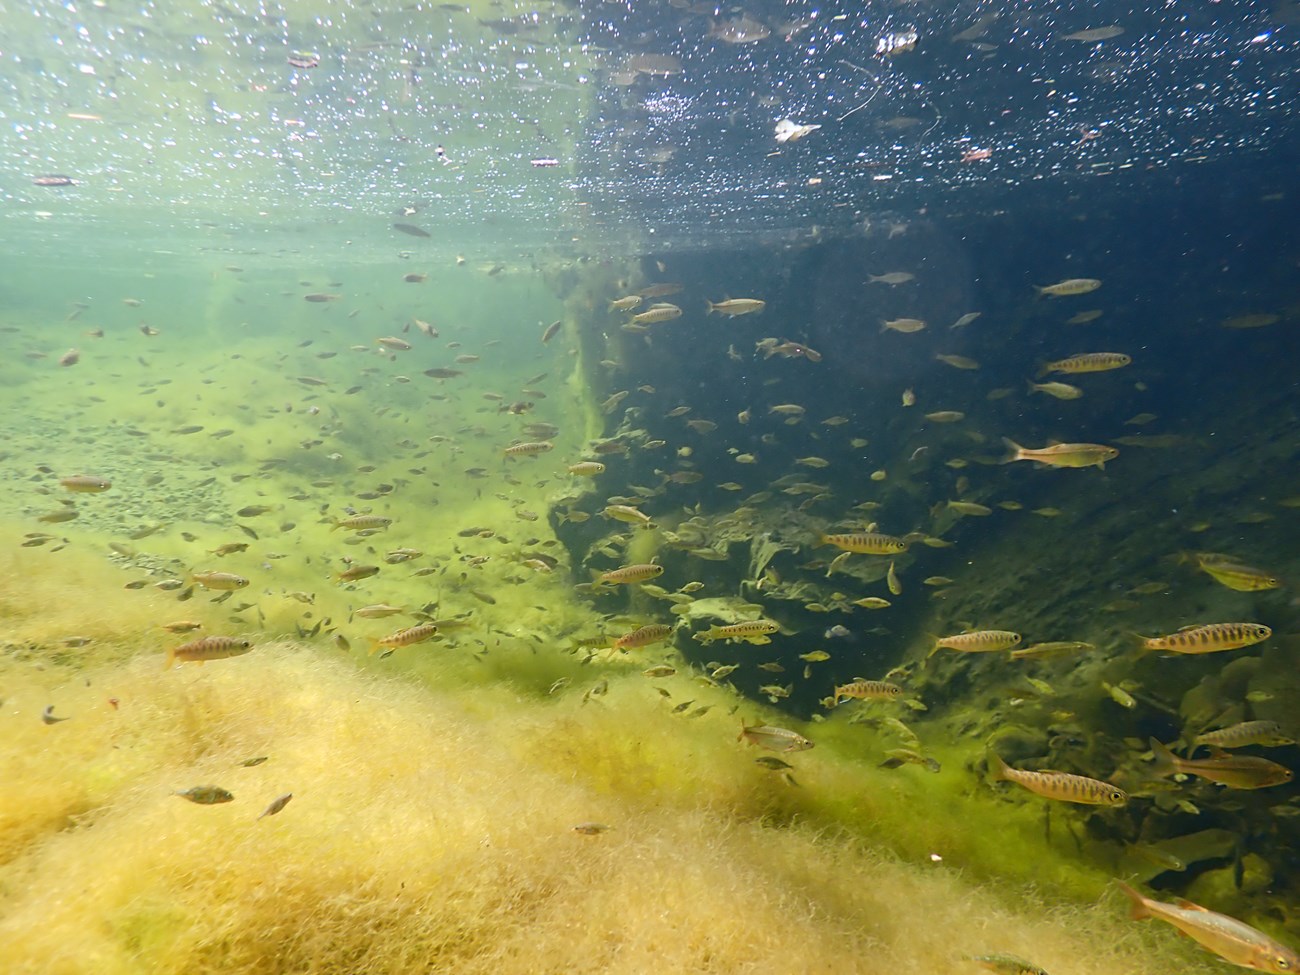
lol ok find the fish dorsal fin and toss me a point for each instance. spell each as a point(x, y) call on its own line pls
point(861, 678)
point(1216, 752)
point(1189, 626)
point(1189, 906)
point(1053, 442)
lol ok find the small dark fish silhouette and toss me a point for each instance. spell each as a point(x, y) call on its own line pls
point(206, 795)
point(48, 716)
point(412, 230)
point(276, 805)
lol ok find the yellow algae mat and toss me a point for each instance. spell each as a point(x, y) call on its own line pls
point(434, 830)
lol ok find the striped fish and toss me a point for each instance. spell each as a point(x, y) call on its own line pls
point(1210, 638)
point(865, 543)
point(1061, 785)
point(630, 575)
point(751, 631)
point(207, 648)
point(1087, 362)
point(643, 637)
point(1266, 733)
point(862, 689)
point(405, 638)
point(979, 641)
point(529, 448)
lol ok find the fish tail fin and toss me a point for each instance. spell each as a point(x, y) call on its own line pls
point(1166, 763)
point(822, 539)
point(706, 636)
point(374, 646)
point(710, 307)
point(1043, 370)
point(1033, 386)
point(1014, 451)
point(997, 767)
point(1140, 911)
point(170, 659)
point(743, 728)
point(934, 645)
point(1041, 291)
point(336, 526)
point(1141, 642)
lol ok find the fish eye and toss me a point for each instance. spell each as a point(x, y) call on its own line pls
point(1282, 963)
point(1118, 796)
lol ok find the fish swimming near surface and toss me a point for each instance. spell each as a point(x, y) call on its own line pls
point(644, 636)
point(1232, 940)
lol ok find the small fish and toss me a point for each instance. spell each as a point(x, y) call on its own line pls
point(1087, 362)
point(643, 637)
point(1006, 964)
point(320, 297)
point(630, 575)
point(407, 637)
point(1090, 36)
point(1233, 574)
point(1070, 286)
point(221, 581)
point(945, 416)
point(1061, 785)
point(207, 648)
point(1084, 317)
point(966, 319)
point(891, 278)
point(969, 508)
point(356, 572)
point(1267, 734)
point(626, 303)
point(85, 484)
point(750, 631)
point(1232, 771)
point(47, 715)
point(1057, 390)
point(979, 641)
point(1230, 939)
point(865, 543)
point(377, 611)
point(206, 795)
point(529, 448)
point(551, 330)
point(358, 523)
point(773, 739)
point(1047, 650)
point(872, 602)
point(892, 581)
point(904, 325)
point(836, 632)
point(661, 670)
point(815, 656)
point(1210, 638)
point(591, 829)
point(958, 361)
point(736, 306)
point(1062, 454)
point(663, 312)
point(181, 626)
point(861, 689)
point(276, 805)
point(628, 515)
point(411, 230)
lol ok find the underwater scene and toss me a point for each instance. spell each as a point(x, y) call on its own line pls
point(649, 488)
